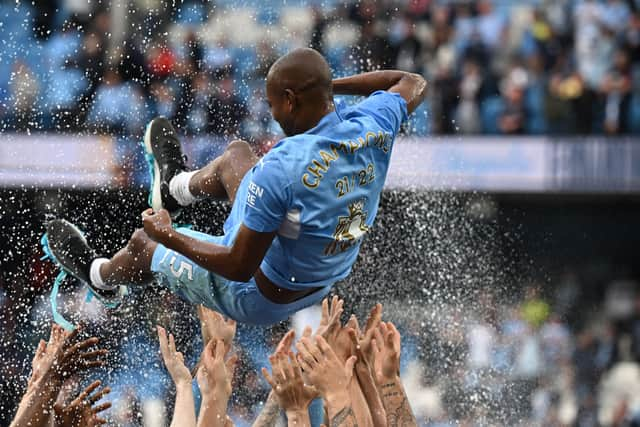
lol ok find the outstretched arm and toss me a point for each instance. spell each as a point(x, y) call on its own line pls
point(238, 262)
point(387, 365)
point(412, 87)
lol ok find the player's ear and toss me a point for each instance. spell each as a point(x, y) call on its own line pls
point(291, 99)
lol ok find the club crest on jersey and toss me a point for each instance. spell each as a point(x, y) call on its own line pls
point(349, 230)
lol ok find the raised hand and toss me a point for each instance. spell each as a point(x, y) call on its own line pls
point(387, 353)
point(82, 412)
point(284, 346)
point(330, 320)
point(63, 356)
point(287, 383)
point(173, 359)
point(214, 378)
point(214, 326)
point(330, 376)
point(215, 375)
point(323, 367)
point(387, 368)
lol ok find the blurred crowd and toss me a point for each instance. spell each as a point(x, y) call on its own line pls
point(501, 67)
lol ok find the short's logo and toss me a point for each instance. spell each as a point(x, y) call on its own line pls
point(349, 229)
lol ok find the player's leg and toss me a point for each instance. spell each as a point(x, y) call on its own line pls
point(131, 265)
point(174, 187)
point(222, 176)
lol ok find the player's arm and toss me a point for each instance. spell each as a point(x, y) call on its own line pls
point(412, 87)
point(238, 262)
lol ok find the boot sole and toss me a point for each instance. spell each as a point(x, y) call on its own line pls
point(156, 194)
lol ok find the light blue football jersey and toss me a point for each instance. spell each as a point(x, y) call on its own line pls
point(320, 191)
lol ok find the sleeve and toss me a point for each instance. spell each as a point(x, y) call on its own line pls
point(388, 109)
point(268, 196)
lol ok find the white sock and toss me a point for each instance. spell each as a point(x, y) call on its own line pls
point(179, 188)
point(94, 274)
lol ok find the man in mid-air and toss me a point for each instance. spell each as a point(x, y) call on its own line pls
point(299, 213)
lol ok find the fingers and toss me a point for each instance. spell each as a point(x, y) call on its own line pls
point(86, 392)
point(307, 331)
point(353, 322)
point(324, 348)
point(354, 338)
point(268, 377)
point(147, 212)
point(314, 349)
point(230, 365)
point(350, 364)
point(278, 369)
point(82, 345)
point(304, 355)
point(41, 349)
point(99, 395)
point(377, 338)
point(285, 343)
point(172, 344)
point(295, 366)
point(325, 310)
point(88, 356)
point(375, 316)
point(336, 308)
point(164, 343)
point(100, 408)
point(219, 351)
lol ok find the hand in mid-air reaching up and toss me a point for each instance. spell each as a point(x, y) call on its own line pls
point(365, 346)
point(184, 412)
point(82, 412)
point(63, 356)
point(173, 359)
point(330, 320)
point(214, 378)
point(214, 326)
point(387, 369)
point(330, 376)
point(54, 361)
point(292, 394)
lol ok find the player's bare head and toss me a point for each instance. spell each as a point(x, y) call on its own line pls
point(299, 90)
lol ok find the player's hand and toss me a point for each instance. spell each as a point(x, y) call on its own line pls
point(173, 359)
point(81, 412)
point(287, 383)
point(157, 225)
point(214, 326)
point(386, 353)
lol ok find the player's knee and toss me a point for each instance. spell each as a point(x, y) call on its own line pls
point(139, 241)
point(239, 145)
point(238, 150)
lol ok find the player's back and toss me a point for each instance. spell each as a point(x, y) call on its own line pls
point(321, 190)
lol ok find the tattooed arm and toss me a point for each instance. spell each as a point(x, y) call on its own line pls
point(270, 412)
point(387, 366)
